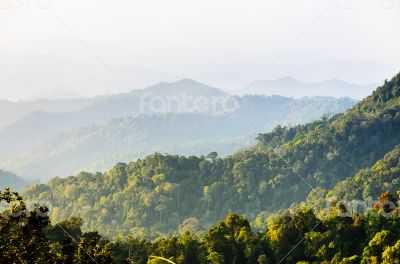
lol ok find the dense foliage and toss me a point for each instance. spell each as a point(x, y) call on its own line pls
point(323, 152)
point(383, 176)
point(27, 236)
point(160, 192)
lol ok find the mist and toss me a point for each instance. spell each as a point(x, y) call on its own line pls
point(58, 49)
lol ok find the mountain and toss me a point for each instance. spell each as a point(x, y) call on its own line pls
point(120, 105)
point(186, 87)
point(288, 86)
point(98, 147)
point(159, 192)
point(12, 181)
point(63, 116)
point(364, 71)
point(11, 112)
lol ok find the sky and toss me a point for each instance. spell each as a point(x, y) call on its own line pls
point(101, 47)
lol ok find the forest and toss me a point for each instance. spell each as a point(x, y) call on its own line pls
point(278, 201)
point(28, 236)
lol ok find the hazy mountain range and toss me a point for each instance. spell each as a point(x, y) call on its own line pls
point(184, 117)
point(67, 101)
point(291, 87)
point(89, 78)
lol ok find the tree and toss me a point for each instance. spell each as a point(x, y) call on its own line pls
point(191, 225)
point(212, 155)
point(377, 245)
point(215, 258)
point(392, 254)
point(286, 235)
point(22, 236)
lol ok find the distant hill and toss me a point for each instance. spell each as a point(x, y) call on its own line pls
point(63, 116)
point(98, 147)
point(11, 112)
point(291, 87)
point(185, 86)
point(12, 181)
point(184, 117)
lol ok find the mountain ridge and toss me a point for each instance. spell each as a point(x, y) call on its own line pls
point(184, 134)
point(289, 86)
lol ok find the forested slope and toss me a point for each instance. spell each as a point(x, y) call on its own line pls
point(383, 176)
point(158, 192)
